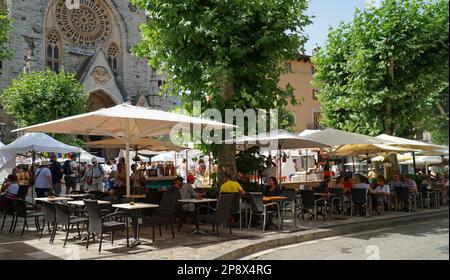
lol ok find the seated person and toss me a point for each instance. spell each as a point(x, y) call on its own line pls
point(410, 183)
point(10, 187)
point(323, 187)
point(363, 184)
point(272, 188)
point(186, 192)
point(231, 186)
point(395, 182)
point(348, 185)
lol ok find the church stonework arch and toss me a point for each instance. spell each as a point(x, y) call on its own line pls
point(99, 99)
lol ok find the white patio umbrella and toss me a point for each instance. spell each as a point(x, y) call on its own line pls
point(125, 122)
point(408, 143)
point(335, 137)
point(144, 143)
point(424, 160)
point(282, 140)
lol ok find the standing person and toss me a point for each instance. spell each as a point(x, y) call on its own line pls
point(86, 179)
point(71, 173)
point(57, 173)
point(96, 176)
point(395, 182)
point(271, 169)
point(83, 168)
point(43, 179)
point(121, 177)
point(23, 178)
point(137, 180)
point(182, 170)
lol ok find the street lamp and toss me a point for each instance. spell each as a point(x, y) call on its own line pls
point(2, 129)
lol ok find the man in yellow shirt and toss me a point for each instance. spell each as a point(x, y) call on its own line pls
point(231, 186)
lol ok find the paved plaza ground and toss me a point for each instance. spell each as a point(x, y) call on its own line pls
point(188, 246)
point(419, 241)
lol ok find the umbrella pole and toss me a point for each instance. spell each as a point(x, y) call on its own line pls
point(127, 156)
point(187, 163)
point(279, 167)
point(33, 160)
point(367, 163)
point(353, 162)
point(306, 166)
point(414, 162)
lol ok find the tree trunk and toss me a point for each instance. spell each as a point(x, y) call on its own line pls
point(226, 156)
point(391, 159)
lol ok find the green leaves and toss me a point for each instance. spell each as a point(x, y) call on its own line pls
point(383, 72)
point(5, 28)
point(43, 96)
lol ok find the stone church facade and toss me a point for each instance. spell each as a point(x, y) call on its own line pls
point(92, 38)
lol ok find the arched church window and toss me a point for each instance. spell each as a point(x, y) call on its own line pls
point(113, 57)
point(53, 56)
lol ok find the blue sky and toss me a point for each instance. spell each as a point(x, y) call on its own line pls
point(328, 13)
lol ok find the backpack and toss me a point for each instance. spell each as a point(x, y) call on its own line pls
point(56, 171)
point(66, 167)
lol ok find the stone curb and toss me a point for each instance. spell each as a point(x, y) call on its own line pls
point(330, 231)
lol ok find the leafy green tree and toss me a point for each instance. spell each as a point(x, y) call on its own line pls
point(385, 71)
point(43, 96)
point(5, 28)
point(226, 54)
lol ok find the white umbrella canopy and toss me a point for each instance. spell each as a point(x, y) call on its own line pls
point(87, 157)
point(145, 143)
point(125, 122)
point(282, 139)
point(39, 142)
point(439, 152)
point(364, 149)
point(408, 143)
point(336, 137)
point(170, 156)
point(424, 160)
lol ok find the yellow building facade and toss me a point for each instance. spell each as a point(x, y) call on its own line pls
point(299, 73)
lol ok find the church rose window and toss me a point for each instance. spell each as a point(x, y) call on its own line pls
point(53, 51)
point(87, 26)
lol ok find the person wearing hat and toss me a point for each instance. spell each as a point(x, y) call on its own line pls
point(43, 179)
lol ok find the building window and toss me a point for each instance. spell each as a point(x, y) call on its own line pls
point(113, 58)
point(53, 51)
point(314, 94)
point(316, 119)
point(288, 67)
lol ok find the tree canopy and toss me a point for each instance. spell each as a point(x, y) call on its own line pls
point(43, 96)
point(387, 70)
point(226, 54)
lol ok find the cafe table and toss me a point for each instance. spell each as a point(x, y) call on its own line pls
point(81, 202)
point(197, 202)
point(132, 209)
point(53, 199)
point(135, 196)
point(78, 195)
